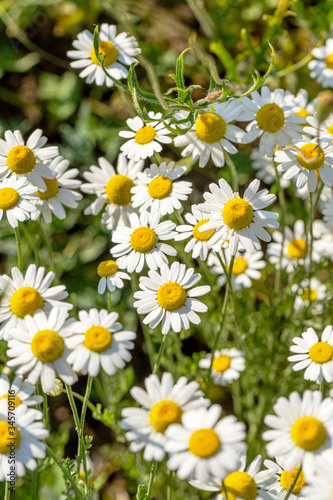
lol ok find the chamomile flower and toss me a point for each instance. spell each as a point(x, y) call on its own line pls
point(272, 118)
point(199, 242)
point(321, 485)
point(19, 391)
point(277, 481)
point(144, 139)
point(321, 157)
point(304, 108)
point(59, 191)
point(212, 133)
point(226, 367)
point(319, 128)
point(238, 220)
point(98, 341)
point(169, 298)
point(203, 445)
point(163, 403)
point(16, 197)
point(111, 277)
point(302, 430)
point(307, 295)
point(27, 160)
point(314, 355)
point(21, 442)
point(142, 242)
point(119, 51)
point(294, 251)
point(24, 295)
point(322, 66)
point(159, 190)
point(113, 188)
point(39, 347)
point(265, 169)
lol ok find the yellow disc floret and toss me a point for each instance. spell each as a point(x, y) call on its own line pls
point(287, 478)
point(9, 437)
point(145, 135)
point(321, 352)
point(118, 190)
point(105, 49)
point(163, 414)
point(52, 187)
point(143, 239)
point(14, 400)
point(314, 153)
point(47, 346)
point(21, 160)
point(270, 118)
point(204, 443)
point(9, 198)
point(329, 61)
point(210, 127)
point(302, 113)
point(309, 295)
point(297, 249)
point(221, 363)
point(171, 296)
point(237, 214)
point(107, 268)
point(26, 300)
point(239, 267)
point(240, 485)
point(308, 433)
point(205, 235)
point(160, 187)
point(97, 339)
point(56, 389)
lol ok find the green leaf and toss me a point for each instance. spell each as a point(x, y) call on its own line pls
point(142, 492)
point(96, 43)
point(212, 84)
point(180, 70)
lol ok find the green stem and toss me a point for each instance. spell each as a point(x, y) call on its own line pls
point(225, 493)
point(283, 205)
point(321, 388)
point(109, 301)
point(45, 411)
point(310, 240)
point(157, 157)
point(77, 426)
point(65, 472)
point(151, 479)
point(160, 353)
point(34, 485)
point(19, 248)
point(83, 416)
point(291, 487)
point(50, 251)
point(7, 491)
point(169, 491)
point(233, 171)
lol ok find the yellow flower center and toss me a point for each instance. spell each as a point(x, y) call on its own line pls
point(21, 160)
point(240, 485)
point(56, 389)
point(9, 198)
point(221, 363)
point(47, 346)
point(105, 49)
point(13, 399)
point(311, 151)
point(52, 187)
point(9, 437)
point(171, 296)
point(205, 235)
point(308, 433)
point(118, 190)
point(321, 352)
point(240, 266)
point(160, 187)
point(287, 478)
point(302, 113)
point(97, 339)
point(210, 127)
point(163, 414)
point(237, 214)
point(143, 239)
point(26, 300)
point(204, 443)
point(270, 118)
point(330, 129)
point(309, 295)
point(145, 135)
point(107, 268)
point(329, 61)
point(297, 249)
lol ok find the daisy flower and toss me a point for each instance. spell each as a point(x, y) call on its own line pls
point(162, 404)
point(199, 242)
point(318, 128)
point(226, 367)
point(40, 348)
point(56, 389)
point(142, 242)
point(303, 107)
point(158, 189)
point(97, 341)
point(19, 391)
point(309, 295)
point(111, 278)
point(113, 188)
point(321, 485)
point(59, 191)
point(169, 298)
point(15, 199)
point(117, 49)
point(320, 167)
point(277, 481)
point(26, 160)
point(245, 268)
point(272, 118)
point(23, 295)
point(322, 66)
point(314, 355)
point(20, 441)
point(211, 134)
point(238, 220)
point(204, 445)
point(265, 169)
point(144, 140)
point(302, 430)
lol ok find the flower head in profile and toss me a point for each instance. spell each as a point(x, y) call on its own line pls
point(322, 66)
point(226, 367)
point(311, 293)
point(111, 277)
point(16, 200)
point(277, 481)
